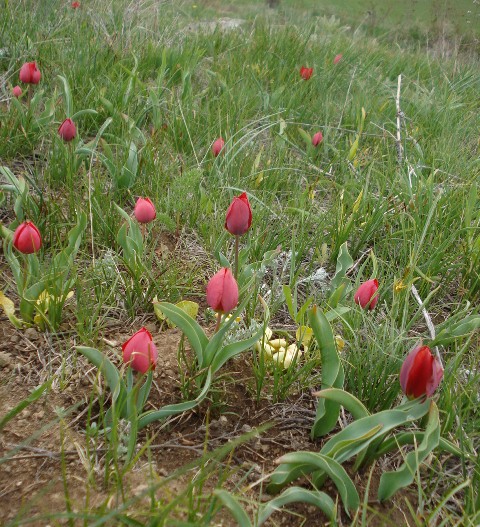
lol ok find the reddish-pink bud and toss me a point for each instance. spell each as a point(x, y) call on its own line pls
point(239, 215)
point(144, 210)
point(222, 291)
point(26, 238)
point(337, 58)
point(317, 139)
point(75, 5)
point(29, 73)
point(421, 372)
point(218, 146)
point(140, 352)
point(366, 294)
point(306, 73)
point(67, 130)
point(17, 91)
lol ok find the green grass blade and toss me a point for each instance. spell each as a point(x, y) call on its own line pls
point(232, 504)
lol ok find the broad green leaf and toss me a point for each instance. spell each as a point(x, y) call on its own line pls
point(110, 372)
point(309, 462)
point(332, 372)
point(194, 333)
point(412, 438)
point(144, 392)
point(67, 96)
point(347, 400)
point(298, 495)
point(386, 420)
point(172, 409)
point(190, 308)
point(232, 504)
point(390, 482)
point(344, 262)
point(232, 350)
point(34, 396)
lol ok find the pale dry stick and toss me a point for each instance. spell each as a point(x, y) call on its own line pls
point(399, 114)
point(346, 97)
point(188, 132)
point(428, 320)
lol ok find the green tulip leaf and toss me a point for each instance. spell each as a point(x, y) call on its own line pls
point(232, 504)
point(391, 482)
point(347, 400)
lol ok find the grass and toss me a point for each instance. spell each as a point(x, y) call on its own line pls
point(152, 87)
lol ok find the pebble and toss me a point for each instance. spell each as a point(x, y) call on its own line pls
point(15, 338)
point(32, 334)
point(170, 373)
point(5, 360)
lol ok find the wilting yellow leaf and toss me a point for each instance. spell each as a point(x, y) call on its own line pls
point(190, 308)
point(9, 308)
point(304, 335)
point(340, 342)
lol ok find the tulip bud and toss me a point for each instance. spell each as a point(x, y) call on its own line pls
point(365, 295)
point(67, 130)
point(306, 73)
point(218, 146)
point(421, 373)
point(140, 352)
point(317, 139)
point(144, 210)
point(17, 91)
point(222, 291)
point(75, 5)
point(239, 216)
point(337, 58)
point(26, 238)
point(29, 73)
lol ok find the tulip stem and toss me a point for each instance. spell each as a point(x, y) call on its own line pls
point(237, 245)
point(219, 320)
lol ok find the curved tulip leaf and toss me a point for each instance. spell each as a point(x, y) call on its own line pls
point(213, 346)
point(144, 392)
point(332, 373)
point(390, 482)
point(194, 333)
point(338, 283)
point(178, 408)
point(67, 96)
point(298, 464)
point(299, 495)
point(232, 504)
point(112, 376)
point(347, 400)
point(412, 438)
point(357, 435)
point(80, 113)
point(232, 350)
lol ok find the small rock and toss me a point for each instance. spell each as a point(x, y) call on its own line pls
point(40, 414)
point(170, 373)
point(223, 419)
point(15, 338)
point(246, 428)
point(162, 472)
point(32, 334)
point(5, 360)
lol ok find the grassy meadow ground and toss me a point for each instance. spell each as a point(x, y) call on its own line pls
point(151, 85)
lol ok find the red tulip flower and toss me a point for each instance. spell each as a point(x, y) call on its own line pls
point(421, 373)
point(222, 291)
point(366, 294)
point(337, 58)
point(239, 215)
point(306, 73)
point(218, 146)
point(144, 210)
point(29, 73)
point(26, 238)
point(17, 91)
point(140, 352)
point(67, 130)
point(317, 139)
point(75, 5)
